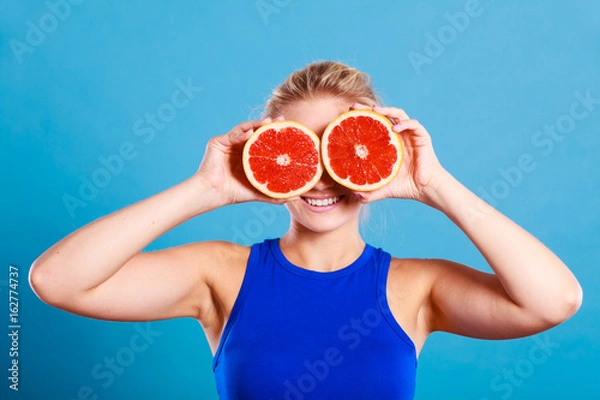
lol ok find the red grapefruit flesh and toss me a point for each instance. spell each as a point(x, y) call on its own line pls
point(361, 151)
point(282, 159)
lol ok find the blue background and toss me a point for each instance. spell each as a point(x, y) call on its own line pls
point(486, 89)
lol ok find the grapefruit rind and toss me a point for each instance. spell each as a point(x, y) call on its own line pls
point(394, 140)
point(263, 187)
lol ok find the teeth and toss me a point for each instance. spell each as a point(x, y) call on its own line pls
point(322, 202)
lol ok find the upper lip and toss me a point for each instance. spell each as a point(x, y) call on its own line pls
point(321, 197)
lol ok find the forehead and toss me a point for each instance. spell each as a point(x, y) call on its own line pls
point(316, 114)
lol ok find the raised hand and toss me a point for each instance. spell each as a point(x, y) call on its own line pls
point(420, 167)
point(222, 168)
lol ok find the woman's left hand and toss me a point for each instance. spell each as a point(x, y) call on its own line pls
point(420, 169)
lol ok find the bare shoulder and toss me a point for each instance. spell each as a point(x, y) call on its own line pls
point(422, 271)
point(413, 278)
point(413, 274)
point(224, 278)
point(229, 260)
point(419, 275)
point(407, 290)
point(409, 287)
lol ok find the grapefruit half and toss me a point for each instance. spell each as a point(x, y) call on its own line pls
point(282, 159)
point(361, 151)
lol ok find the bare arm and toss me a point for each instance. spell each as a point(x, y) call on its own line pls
point(99, 270)
point(531, 290)
point(106, 254)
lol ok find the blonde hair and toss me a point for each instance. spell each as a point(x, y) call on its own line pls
point(323, 78)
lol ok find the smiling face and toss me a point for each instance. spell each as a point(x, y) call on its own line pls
point(328, 206)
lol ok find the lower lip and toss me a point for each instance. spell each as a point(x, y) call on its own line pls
point(323, 208)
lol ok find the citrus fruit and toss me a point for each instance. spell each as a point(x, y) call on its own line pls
point(282, 159)
point(361, 151)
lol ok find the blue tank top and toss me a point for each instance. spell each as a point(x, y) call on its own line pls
point(297, 334)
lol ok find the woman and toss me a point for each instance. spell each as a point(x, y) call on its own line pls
point(317, 313)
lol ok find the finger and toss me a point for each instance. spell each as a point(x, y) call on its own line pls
point(392, 112)
point(238, 136)
point(272, 200)
point(375, 195)
point(267, 199)
point(279, 118)
point(244, 126)
point(359, 106)
point(244, 130)
point(359, 196)
point(365, 197)
point(407, 124)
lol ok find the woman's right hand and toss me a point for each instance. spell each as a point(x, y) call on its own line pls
point(222, 167)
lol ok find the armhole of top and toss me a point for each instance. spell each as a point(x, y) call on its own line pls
point(382, 302)
point(238, 304)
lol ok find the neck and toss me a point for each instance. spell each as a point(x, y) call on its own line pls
point(324, 252)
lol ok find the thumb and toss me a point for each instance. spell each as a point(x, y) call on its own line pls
point(369, 197)
point(363, 197)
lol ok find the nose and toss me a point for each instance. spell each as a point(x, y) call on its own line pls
point(326, 182)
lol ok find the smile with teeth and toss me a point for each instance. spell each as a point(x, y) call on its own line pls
point(322, 202)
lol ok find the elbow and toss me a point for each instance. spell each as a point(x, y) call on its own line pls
point(574, 300)
point(41, 282)
point(50, 283)
point(566, 305)
point(37, 281)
